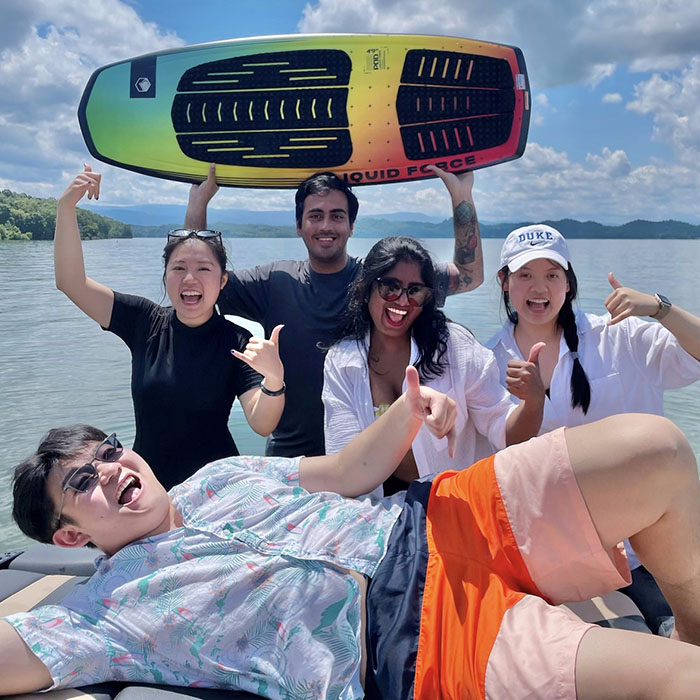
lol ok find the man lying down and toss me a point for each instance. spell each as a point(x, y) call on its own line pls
point(258, 574)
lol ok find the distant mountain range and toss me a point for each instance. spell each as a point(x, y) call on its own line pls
point(155, 220)
point(369, 227)
point(156, 214)
point(32, 218)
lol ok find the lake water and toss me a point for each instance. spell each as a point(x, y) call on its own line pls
point(57, 367)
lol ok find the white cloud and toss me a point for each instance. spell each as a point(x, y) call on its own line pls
point(611, 164)
point(611, 98)
point(674, 103)
point(546, 184)
point(540, 107)
point(50, 48)
point(564, 42)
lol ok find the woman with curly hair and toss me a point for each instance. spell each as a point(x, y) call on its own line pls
point(392, 321)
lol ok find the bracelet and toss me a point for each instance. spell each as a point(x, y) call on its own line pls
point(267, 392)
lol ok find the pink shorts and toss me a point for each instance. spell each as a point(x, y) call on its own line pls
point(496, 570)
point(563, 553)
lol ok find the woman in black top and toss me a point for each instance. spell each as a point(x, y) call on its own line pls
point(188, 362)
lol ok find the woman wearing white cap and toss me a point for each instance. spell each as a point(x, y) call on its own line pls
point(591, 366)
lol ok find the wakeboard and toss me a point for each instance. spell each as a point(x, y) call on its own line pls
point(271, 111)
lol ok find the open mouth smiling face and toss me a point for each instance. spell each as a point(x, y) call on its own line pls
point(109, 503)
point(537, 290)
point(190, 296)
point(193, 280)
point(396, 317)
point(537, 304)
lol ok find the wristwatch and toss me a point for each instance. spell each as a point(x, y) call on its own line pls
point(268, 392)
point(664, 307)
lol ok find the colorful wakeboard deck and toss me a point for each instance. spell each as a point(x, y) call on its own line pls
point(270, 111)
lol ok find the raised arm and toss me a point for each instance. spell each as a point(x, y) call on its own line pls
point(93, 298)
point(624, 302)
point(200, 196)
point(467, 266)
point(264, 410)
point(368, 459)
point(20, 670)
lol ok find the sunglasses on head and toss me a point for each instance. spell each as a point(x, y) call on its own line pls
point(201, 233)
point(83, 479)
point(391, 289)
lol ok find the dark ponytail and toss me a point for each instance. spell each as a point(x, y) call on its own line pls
point(580, 387)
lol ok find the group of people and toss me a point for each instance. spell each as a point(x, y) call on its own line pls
point(438, 578)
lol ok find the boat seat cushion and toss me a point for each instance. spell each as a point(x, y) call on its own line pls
point(50, 559)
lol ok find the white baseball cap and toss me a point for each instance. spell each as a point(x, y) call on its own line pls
point(532, 243)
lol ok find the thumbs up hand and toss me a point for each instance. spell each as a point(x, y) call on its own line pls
point(624, 302)
point(438, 411)
point(264, 357)
point(523, 378)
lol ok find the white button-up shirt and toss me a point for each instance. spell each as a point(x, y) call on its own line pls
point(470, 378)
point(628, 365)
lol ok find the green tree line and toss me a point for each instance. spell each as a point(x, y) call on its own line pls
point(33, 219)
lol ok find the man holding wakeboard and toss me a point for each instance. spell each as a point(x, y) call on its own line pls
point(308, 296)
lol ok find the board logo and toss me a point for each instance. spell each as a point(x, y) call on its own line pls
point(143, 84)
point(143, 77)
point(375, 59)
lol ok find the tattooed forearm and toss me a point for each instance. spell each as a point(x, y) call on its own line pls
point(466, 238)
point(468, 264)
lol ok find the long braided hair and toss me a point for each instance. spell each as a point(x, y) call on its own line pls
point(566, 320)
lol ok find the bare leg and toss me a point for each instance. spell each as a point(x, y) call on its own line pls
point(619, 664)
point(639, 479)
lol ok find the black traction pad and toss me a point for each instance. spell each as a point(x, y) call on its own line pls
point(451, 103)
point(300, 97)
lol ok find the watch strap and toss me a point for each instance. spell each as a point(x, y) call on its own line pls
point(664, 307)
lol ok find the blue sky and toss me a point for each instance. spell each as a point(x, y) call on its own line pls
point(615, 130)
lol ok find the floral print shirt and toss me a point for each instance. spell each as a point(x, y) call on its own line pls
point(251, 593)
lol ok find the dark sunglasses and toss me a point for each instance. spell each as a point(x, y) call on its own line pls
point(201, 233)
point(390, 289)
point(83, 479)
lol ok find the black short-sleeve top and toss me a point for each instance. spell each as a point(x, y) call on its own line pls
point(183, 383)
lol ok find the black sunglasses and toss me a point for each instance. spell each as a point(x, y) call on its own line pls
point(83, 479)
point(391, 289)
point(201, 233)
